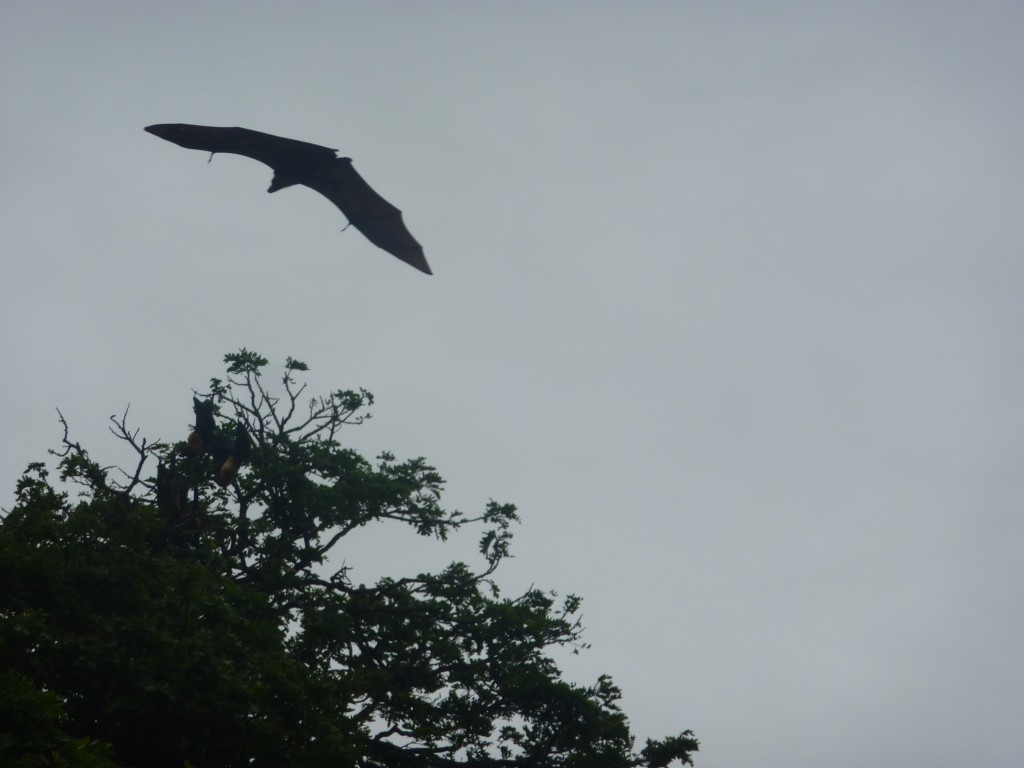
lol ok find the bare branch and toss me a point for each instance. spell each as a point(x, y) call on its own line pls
point(68, 445)
point(121, 431)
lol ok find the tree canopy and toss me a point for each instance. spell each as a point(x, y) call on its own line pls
point(190, 614)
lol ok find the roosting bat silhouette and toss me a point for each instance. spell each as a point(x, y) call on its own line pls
point(320, 168)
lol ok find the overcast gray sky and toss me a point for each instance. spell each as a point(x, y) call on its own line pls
point(727, 298)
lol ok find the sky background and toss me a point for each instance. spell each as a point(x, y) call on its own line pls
point(727, 299)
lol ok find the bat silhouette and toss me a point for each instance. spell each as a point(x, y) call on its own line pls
point(298, 162)
point(229, 454)
point(201, 436)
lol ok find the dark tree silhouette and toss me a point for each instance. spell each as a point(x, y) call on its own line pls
point(181, 620)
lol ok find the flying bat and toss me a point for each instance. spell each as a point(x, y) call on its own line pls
point(320, 168)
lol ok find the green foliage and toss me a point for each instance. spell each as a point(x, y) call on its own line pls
point(168, 621)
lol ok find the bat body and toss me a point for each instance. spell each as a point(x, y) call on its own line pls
point(203, 433)
point(298, 162)
point(230, 457)
point(229, 454)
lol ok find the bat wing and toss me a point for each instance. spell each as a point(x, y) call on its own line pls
point(275, 151)
point(368, 212)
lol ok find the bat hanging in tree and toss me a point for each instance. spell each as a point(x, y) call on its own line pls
point(297, 162)
point(229, 454)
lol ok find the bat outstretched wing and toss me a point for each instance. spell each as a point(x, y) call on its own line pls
point(371, 214)
point(279, 153)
